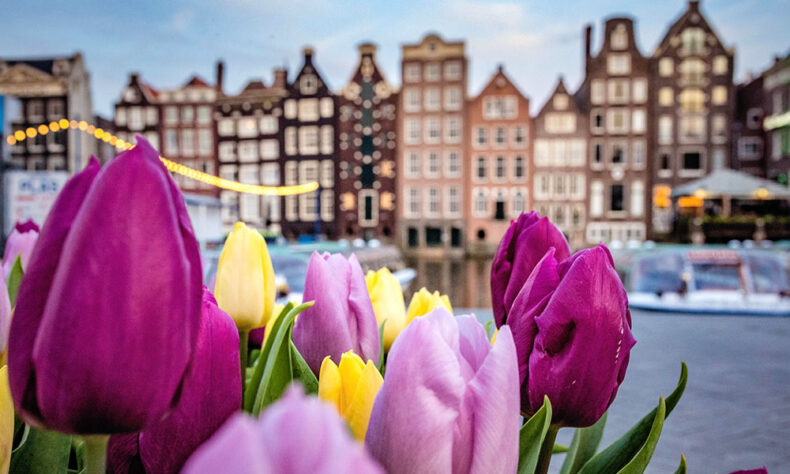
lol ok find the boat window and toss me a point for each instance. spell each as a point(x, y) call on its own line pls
point(768, 274)
point(660, 274)
point(716, 276)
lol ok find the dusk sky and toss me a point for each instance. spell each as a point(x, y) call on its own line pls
point(537, 40)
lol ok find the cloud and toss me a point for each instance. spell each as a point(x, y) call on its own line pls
point(182, 19)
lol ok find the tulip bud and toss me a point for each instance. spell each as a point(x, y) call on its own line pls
point(351, 387)
point(342, 318)
point(449, 400)
point(523, 245)
point(386, 295)
point(297, 434)
point(245, 278)
point(423, 302)
point(20, 244)
point(6, 421)
point(108, 312)
point(210, 395)
point(573, 328)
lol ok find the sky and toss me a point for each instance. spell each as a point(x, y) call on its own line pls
point(536, 40)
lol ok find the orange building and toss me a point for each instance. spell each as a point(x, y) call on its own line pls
point(497, 165)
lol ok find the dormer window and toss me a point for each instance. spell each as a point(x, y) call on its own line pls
point(619, 38)
point(131, 95)
point(308, 84)
point(560, 102)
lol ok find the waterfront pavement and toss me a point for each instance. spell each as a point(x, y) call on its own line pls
point(735, 412)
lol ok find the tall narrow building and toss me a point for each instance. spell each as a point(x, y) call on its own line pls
point(498, 147)
point(431, 146)
point(616, 88)
point(309, 153)
point(559, 180)
point(694, 100)
point(367, 112)
point(137, 112)
point(776, 89)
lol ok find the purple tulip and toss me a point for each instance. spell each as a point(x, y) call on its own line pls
point(296, 435)
point(108, 312)
point(209, 396)
point(342, 318)
point(572, 330)
point(449, 399)
point(761, 470)
point(5, 316)
point(20, 243)
point(523, 245)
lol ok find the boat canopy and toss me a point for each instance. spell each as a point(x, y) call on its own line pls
point(733, 184)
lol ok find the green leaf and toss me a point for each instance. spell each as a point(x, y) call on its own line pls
point(682, 468)
point(277, 370)
point(45, 452)
point(487, 327)
point(257, 373)
point(380, 363)
point(21, 433)
point(531, 438)
point(639, 463)
point(619, 453)
point(14, 279)
point(559, 449)
point(583, 446)
point(301, 371)
point(77, 456)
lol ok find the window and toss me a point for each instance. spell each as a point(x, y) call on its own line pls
point(578, 152)
point(308, 84)
point(412, 72)
point(308, 110)
point(225, 127)
point(432, 165)
point(500, 108)
point(413, 100)
point(413, 202)
point(480, 167)
point(560, 122)
point(452, 98)
point(638, 153)
point(412, 130)
point(268, 124)
point(432, 202)
point(541, 152)
point(327, 107)
point(248, 151)
point(750, 148)
point(500, 137)
point(413, 164)
point(692, 161)
point(559, 186)
point(452, 127)
point(327, 139)
point(499, 169)
point(432, 130)
point(204, 114)
point(151, 115)
point(597, 151)
point(227, 151)
point(617, 121)
point(328, 174)
point(665, 162)
point(692, 127)
point(187, 114)
point(55, 109)
point(637, 198)
point(616, 201)
point(666, 96)
point(481, 203)
point(665, 129)
point(205, 142)
point(596, 199)
point(432, 99)
point(618, 91)
point(619, 38)
point(290, 109)
point(754, 118)
point(290, 141)
point(666, 67)
point(136, 118)
point(433, 72)
point(596, 123)
point(308, 140)
point(518, 168)
point(598, 91)
point(453, 164)
point(638, 121)
point(453, 203)
point(718, 128)
point(120, 116)
point(777, 101)
point(482, 137)
point(618, 153)
point(692, 71)
point(519, 137)
point(171, 142)
point(693, 41)
point(560, 102)
point(692, 100)
point(518, 203)
point(717, 158)
point(720, 65)
point(453, 70)
point(270, 149)
point(171, 115)
point(719, 95)
point(618, 64)
point(35, 110)
point(639, 90)
point(247, 127)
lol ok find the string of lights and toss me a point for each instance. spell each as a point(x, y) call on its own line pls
point(191, 173)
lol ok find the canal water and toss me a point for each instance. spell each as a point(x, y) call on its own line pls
point(465, 281)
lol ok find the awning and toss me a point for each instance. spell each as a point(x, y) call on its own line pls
point(734, 184)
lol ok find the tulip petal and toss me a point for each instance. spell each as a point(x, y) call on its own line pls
point(357, 411)
point(6, 421)
point(364, 322)
point(386, 295)
point(236, 447)
point(329, 384)
point(5, 316)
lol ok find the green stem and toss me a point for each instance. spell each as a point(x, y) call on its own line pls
point(243, 350)
point(544, 459)
point(96, 454)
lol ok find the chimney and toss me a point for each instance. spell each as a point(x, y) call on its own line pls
point(308, 54)
point(587, 45)
point(280, 78)
point(694, 5)
point(134, 76)
point(367, 49)
point(220, 75)
point(500, 68)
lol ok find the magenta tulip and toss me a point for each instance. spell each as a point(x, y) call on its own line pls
point(761, 470)
point(20, 244)
point(296, 435)
point(449, 402)
point(209, 396)
point(342, 318)
point(572, 330)
point(108, 312)
point(5, 316)
point(523, 245)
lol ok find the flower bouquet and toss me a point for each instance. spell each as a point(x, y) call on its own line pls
point(120, 360)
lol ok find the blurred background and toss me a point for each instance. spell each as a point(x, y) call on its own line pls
point(661, 129)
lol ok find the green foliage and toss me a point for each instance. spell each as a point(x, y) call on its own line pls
point(682, 468)
point(41, 451)
point(531, 438)
point(14, 279)
point(583, 446)
point(380, 364)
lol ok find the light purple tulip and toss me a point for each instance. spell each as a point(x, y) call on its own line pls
point(296, 435)
point(342, 318)
point(523, 245)
point(449, 401)
point(108, 312)
point(209, 396)
point(5, 316)
point(20, 243)
point(572, 330)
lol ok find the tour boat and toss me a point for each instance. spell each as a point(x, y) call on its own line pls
point(710, 281)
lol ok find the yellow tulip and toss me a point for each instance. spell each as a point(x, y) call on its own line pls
point(388, 303)
point(6, 421)
point(423, 302)
point(245, 278)
point(351, 387)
